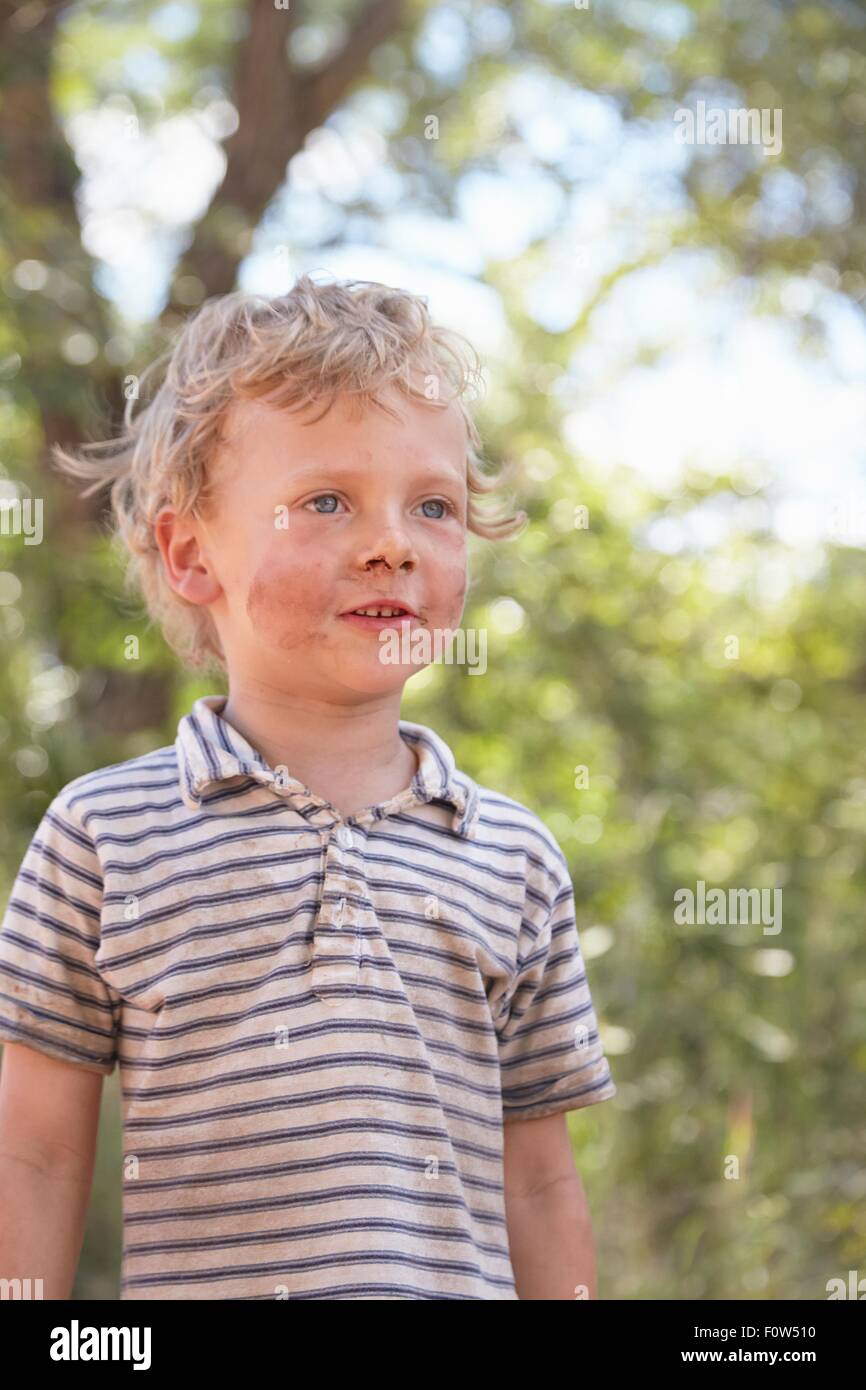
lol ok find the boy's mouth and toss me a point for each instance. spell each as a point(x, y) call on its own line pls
point(379, 615)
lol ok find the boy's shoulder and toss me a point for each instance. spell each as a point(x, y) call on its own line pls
point(503, 819)
point(117, 786)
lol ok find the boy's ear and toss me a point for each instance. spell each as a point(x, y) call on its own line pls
point(186, 568)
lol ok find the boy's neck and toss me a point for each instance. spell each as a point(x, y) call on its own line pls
point(353, 758)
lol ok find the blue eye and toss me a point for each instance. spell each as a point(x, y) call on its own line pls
point(438, 502)
point(314, 500)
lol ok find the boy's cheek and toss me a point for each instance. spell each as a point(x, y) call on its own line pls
point(289, 604)
point(451, 596)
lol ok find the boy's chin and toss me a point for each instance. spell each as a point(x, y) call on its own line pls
point(373, 677)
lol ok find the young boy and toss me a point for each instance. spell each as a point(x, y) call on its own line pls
point(342, 980)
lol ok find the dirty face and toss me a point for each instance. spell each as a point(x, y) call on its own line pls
point(312, 520)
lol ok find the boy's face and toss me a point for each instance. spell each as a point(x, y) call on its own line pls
point(309, 521)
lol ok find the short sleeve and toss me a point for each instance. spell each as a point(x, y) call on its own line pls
point(52, 996)
point(550, 1054)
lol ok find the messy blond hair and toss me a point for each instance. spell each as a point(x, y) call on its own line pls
point(311, 345)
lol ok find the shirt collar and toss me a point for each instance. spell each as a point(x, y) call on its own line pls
point(210, 751)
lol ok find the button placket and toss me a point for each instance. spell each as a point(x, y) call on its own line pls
point(336, 938)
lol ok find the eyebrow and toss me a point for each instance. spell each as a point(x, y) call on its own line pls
point(428, 475)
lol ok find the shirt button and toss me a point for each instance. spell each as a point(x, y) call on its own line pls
point(344, 837)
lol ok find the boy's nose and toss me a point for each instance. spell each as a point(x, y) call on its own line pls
point(394, 551)
point(380, 560)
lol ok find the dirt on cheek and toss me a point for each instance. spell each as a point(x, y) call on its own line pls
point(451, 598)
point(287, 610)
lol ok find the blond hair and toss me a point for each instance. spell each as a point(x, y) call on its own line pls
point(318, 341)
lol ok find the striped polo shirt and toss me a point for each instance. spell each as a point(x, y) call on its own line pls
point(321, 1022)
